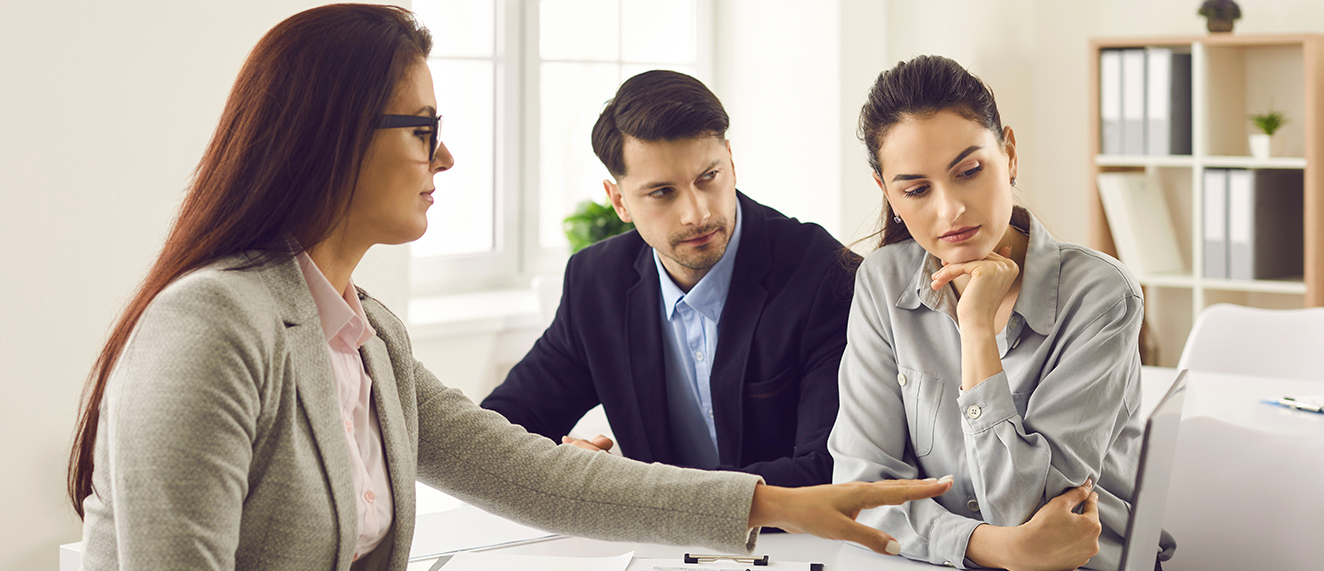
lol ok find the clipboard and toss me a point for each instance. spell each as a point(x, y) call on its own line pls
point(698, 562)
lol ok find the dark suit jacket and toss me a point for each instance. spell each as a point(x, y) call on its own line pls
point(774, 379)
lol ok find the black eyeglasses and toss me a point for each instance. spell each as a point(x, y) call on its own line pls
point(398, 121)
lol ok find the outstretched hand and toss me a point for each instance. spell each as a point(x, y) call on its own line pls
point(829, 511)
point(598, 443)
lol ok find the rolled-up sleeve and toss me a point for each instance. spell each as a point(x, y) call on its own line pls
point(1017, 463)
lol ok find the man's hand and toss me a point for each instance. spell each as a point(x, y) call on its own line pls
point(1055, 538)
point(598, 443)
point(829, 511)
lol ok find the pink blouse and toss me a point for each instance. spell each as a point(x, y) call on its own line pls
point(346, 328)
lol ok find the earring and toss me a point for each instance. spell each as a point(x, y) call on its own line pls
point(1013, 181)
point(896, 219)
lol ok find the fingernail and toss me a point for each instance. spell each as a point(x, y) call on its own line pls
point(930, 479)
point(945, 479)
point(1089, 482)
point(893, 547)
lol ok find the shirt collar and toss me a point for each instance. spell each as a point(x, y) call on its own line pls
point(1037, 302)
point(341, 315)
point(709, 295)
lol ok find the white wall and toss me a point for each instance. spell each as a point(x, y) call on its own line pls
point(778, 80)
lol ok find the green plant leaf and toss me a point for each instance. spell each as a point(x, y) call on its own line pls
point(592, 222)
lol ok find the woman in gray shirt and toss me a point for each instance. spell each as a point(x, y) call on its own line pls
point(980, 346)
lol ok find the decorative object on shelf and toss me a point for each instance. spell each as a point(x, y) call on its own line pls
point(592, 222)
point(1268, 123)
point(1220, 14)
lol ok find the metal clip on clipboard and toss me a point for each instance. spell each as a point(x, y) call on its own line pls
point(756, 561)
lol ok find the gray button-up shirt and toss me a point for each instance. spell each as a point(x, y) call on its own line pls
point(1063, 410)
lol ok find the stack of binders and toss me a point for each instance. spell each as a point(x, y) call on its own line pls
point(1253, 223)
point(1145, 101)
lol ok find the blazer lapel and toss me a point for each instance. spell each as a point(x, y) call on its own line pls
point(643, 333)
point(740, 316)
point(315, 385)
point(401, 462)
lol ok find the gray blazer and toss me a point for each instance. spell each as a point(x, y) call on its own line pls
point(220, 445)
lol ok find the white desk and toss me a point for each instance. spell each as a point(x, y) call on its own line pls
point(1235, 399)
point(835, 555)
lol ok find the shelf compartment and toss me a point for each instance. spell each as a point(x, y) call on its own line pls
point(1238, 162)
point(1144, 160)
point(1261, 286)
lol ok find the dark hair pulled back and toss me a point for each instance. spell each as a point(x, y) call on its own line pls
point(921, 87)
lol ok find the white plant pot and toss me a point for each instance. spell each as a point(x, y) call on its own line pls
point(1259, 145)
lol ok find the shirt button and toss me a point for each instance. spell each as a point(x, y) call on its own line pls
point(710, 413)
point(349, 426)
point(901, 379)
point(368, 496)
point(698, 355)
point(972, 505)
point(973, 411)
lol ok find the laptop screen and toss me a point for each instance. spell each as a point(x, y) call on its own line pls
point(1151, 492)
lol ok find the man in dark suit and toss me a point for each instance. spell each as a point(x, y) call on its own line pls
point(712, 333)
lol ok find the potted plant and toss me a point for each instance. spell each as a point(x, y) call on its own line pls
point(591, 222)
point(1220, 14)
point(1268, 123)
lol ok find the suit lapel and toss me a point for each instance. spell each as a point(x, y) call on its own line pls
point(643, 332)
point(740, 317)
point(315, 385)
point(400, 460)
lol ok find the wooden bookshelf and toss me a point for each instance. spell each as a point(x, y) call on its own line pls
point(1231, 77)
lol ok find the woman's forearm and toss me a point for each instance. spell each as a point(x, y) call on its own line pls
point(979, 355)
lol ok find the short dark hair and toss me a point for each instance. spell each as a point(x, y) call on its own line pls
point(657, 105)
point(922, 87)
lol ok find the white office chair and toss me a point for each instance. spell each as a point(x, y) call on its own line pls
point(1244, 499)
point(1281, 343)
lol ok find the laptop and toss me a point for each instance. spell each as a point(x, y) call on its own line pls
point(1157, 450)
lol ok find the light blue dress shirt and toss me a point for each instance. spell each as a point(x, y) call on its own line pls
point(689, 335)
point(1062, 410)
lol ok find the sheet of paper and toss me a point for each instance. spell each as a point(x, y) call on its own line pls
point(466, 527)
point(497, 561)
point(677, 564)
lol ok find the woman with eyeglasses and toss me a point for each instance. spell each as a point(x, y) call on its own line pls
point(253, 409)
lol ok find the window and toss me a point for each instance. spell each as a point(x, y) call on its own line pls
point(521, 83)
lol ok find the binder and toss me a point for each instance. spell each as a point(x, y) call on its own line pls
point(1168, 105)
point(1215, 194)
point(1265, 224)
point(1141, 225)
point(1110, 101)
point(1133, 101)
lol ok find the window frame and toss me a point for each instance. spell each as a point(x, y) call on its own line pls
point(518, 254)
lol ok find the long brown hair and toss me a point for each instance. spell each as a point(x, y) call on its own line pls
point(281, 167)
point(921, 87)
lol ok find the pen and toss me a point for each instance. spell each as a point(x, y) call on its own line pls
point(1289, 402)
